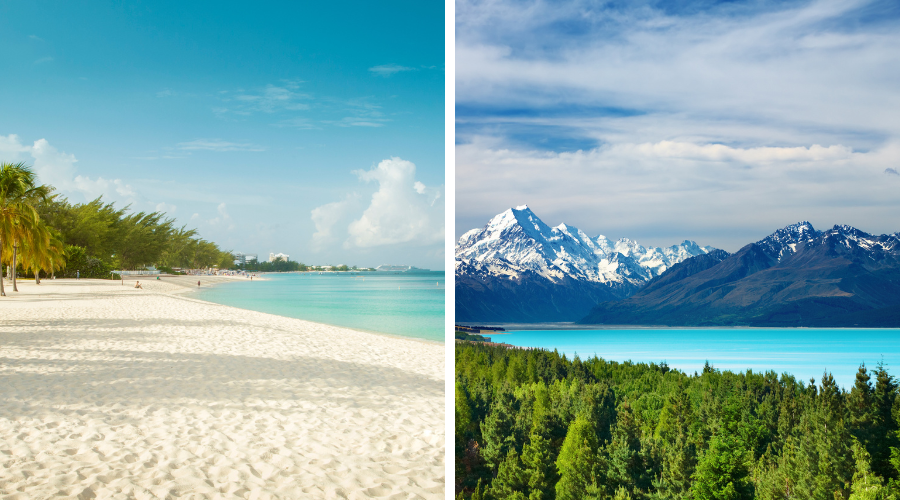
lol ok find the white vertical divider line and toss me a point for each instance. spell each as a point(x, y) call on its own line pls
point(449, 242)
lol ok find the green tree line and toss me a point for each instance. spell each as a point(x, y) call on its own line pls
point(42, 233)
point(278, 265)
point(532, 424)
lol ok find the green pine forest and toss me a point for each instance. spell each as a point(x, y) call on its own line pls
point(43, 234)
point(532, 424)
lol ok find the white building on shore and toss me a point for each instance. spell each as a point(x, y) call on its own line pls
point(283, 256)
point(241, 258)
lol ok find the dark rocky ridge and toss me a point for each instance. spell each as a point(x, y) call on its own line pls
point(528, 298)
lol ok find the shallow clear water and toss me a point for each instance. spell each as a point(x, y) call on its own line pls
point(411, 305)
point(803, 352)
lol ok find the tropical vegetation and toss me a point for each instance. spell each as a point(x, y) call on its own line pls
point(43, 234)
point(532, 424)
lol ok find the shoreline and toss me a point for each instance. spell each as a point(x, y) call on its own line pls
point(371, 332)
point(562, 326)
point(145, 392)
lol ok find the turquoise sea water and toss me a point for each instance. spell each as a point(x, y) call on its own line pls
point(410, 305)
point(803, 352)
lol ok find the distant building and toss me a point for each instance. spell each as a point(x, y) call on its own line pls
point(283, 256)
point(241, 258)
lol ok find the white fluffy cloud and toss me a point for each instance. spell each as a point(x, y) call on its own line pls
point(661, 192)
point(328, 219)
point(57, 169)
point(166, 207)
point(402, 210)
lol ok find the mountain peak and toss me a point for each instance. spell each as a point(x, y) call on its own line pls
point(793, 233)
point(518, 238)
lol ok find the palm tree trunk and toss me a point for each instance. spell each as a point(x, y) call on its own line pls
point(37, 277)
point(2, 291)
point(15, 251)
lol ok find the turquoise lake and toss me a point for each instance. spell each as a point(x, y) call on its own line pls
point(404, 304)
point(803, 352)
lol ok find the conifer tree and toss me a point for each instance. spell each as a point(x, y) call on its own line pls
point(540, 473)
point(511, 482)
point(866, 484)
point(577, 463)
point(884, 429)
point(859, 408)
point(832, 438)
point(626, 465)
point(497, 430)
point(721, 472)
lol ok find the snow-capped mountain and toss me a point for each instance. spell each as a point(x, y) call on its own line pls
point(517, 241)
point(784, 242)
point(797, 276)
point(517, 268)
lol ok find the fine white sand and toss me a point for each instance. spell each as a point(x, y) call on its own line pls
point(111, 392)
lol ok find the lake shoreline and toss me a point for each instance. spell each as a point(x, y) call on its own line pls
point(802, 352)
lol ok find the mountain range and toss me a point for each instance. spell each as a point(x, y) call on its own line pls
point(519, 269)
point(797, 276)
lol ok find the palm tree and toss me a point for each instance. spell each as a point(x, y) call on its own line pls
point(18, 216)
point(43, 250)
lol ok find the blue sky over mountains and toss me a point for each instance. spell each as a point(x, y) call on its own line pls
point(268, 127)
point(716, 121)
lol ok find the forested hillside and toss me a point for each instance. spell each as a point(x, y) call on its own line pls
point(531, 424)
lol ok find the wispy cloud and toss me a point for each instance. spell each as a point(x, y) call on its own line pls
point(672, 116)
point(352, 121)
point(43, 60)
point(35, 38)
point(387, 70)
point(218, 145)
point(269, 99)
point(298, 122)
point(799, 71)
point(222, 218)
point(891, 171)
point(363, 113)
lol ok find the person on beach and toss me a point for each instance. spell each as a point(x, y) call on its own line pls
point(137, 284)
point(198, 283)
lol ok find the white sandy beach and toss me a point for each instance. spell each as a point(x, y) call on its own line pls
point(107, 391)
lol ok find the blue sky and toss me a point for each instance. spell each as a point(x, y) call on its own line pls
point(660, 121)
point(313, 129)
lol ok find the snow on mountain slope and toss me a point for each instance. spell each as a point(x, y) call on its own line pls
point(517, 241)
point(784, 242)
